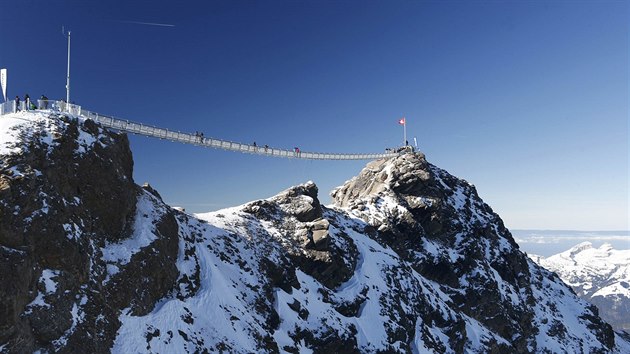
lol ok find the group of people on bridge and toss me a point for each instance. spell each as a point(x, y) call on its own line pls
point(296, 149)
point(266, 147)
point(199, 138)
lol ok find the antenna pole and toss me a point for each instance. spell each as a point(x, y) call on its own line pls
point(68, 77)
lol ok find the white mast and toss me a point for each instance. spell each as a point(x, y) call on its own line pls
point(68, 77)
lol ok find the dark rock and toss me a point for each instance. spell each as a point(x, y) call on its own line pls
point(279, 277)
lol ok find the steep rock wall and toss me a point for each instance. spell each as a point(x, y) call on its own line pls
point(67, 194)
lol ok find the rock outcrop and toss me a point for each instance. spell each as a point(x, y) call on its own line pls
point(305, 234)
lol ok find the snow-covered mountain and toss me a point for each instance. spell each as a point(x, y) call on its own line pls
point(408, 259)
point(599, 275)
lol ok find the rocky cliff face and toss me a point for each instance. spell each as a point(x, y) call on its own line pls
point(409, 259)
point(67, 199)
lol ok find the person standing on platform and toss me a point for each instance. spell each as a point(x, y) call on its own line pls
point(44, 102)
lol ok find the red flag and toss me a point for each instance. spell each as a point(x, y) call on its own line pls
point(402, 121)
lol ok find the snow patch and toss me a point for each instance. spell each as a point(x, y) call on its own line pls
point(148, 213)
point(47, 278)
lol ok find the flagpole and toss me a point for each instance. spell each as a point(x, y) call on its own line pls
point(405, 131)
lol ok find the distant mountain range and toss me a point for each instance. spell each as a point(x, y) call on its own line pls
point(598, 275)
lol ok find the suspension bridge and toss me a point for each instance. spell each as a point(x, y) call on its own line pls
point(124, 125)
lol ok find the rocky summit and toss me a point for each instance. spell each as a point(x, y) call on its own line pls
point(407, 259)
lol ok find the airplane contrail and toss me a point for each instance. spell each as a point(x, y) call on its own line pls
point(148, 23)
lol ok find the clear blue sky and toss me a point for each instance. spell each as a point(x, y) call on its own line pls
point(528, 100)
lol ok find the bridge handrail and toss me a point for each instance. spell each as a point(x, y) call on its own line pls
point(189, 138)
